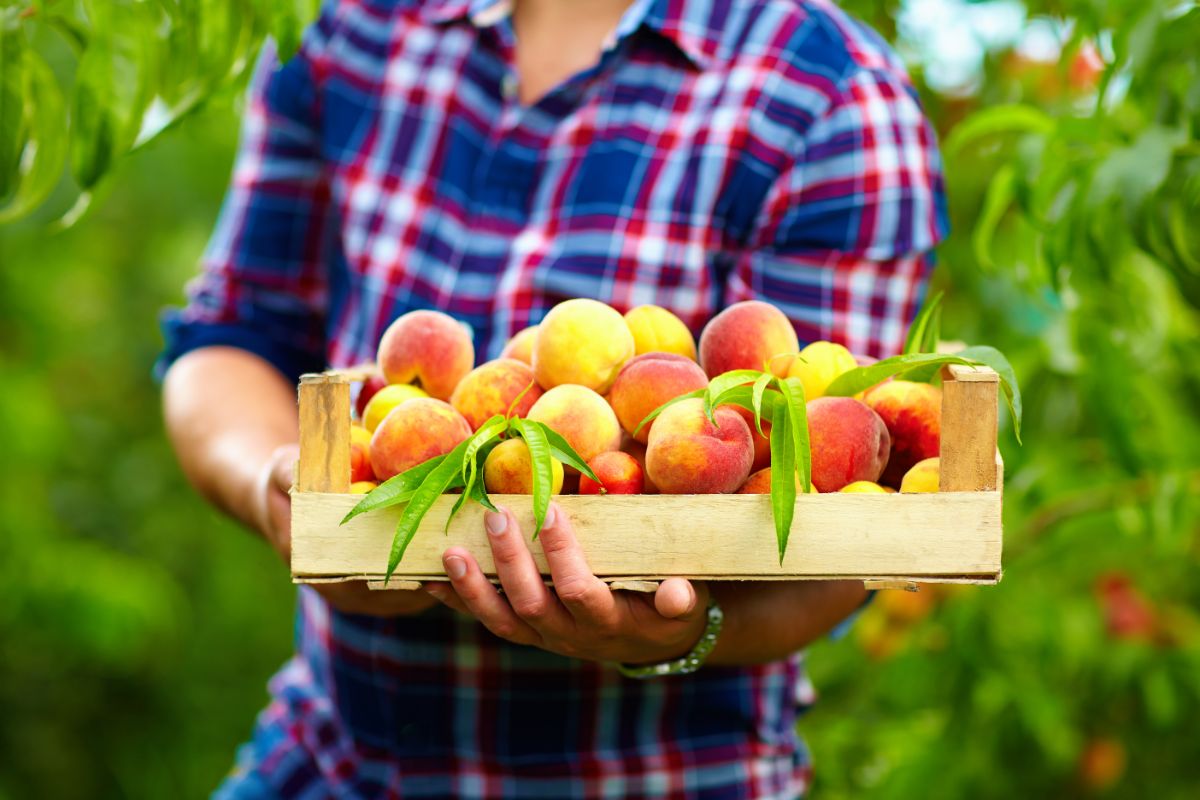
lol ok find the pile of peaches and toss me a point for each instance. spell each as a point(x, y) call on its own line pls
point(595, 376)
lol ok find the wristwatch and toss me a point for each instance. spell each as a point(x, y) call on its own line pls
point(691, 661)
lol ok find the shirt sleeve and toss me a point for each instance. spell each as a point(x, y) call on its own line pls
point(844, 238)
point(263, 285)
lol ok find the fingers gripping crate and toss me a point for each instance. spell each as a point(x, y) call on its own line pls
point(632, 541)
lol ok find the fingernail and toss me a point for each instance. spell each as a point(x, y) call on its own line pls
point(495, 522)
point(551, 516)
point(455, 567)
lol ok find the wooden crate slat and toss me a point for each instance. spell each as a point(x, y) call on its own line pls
point(647, 537)
point(968, 431)
point(324, 434)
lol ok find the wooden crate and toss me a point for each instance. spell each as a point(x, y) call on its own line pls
point(632, 541)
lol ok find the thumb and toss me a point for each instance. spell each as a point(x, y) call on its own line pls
point(283, 466)
point(677, 598)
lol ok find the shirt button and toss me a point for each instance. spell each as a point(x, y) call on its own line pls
point(508, 86)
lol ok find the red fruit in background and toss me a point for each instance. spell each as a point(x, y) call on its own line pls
point(619, 473)
point(849, 442)
point(912, 413)
point(370, 386)
point(360, 455)
point(1101, 764)
point(1127, 613)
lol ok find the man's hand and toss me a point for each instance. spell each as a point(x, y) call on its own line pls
point(581, 617)
point(272, 514)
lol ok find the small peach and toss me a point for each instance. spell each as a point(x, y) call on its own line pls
point(863, 487)
point(387, 398)
point(491, 388)
point(581, 342)
point(745, 336)
point(415, 431)
point(619, 473)
point(362, 487)
point(849, 442)
point(655, 329)
point(688, 454)
point(429, 347)
point(646, 382)
point(923, 477)
point(580, 416)
point(818, 365)
point(360, 454)
point(520, 346)
point(508, 469)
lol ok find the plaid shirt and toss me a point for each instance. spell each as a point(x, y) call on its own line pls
point(718, 151)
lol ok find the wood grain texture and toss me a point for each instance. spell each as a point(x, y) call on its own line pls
point(324, 434)
point(637, 537)
point(970, 414)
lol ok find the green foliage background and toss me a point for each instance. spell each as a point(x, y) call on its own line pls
point(138, 628)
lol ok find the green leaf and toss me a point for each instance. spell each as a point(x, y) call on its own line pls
point(517, 400)
point(783, 476)
point(397, 489)
point(653, 414)
point(46, 124)
point(561, 449)
point(756, 399)
point(917, 332)
point(488, 432)
point(479, 495)
point(996, 120)
point(436, 482)
point(793, 391)
point(856, 380)
point(1000, 195)
point(540, 456)
point(1008, 379)
point(723, 383)
point(13, 124)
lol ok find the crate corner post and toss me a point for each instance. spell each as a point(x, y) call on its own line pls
point(324, 404)
point(970, 415)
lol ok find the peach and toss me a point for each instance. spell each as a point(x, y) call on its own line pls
point(849, 442)
point(580, 416)
point(428, 347)
point(362, 487)
point(745, 336)
point(491, 388)
point(415, 431)
point(863, 487)
point(520, 346)
point(656, 330)
point(759, 482)
point(619, 473)
point(360, 454)
point(687, 454)
point(368, 389)
point(387, 398)
point(646, 382)
point(923, 477)
point(581, 342)
point(817, 366)
point(913, 415)
point(638, 450)
point(508, 469)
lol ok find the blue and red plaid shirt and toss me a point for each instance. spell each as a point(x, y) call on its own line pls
point(718, 151)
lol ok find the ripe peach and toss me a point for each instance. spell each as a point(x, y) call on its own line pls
point(759, 482)
point(646, 382)
point(913, 415)
point(508, 469)
point(656, 330)
point(360, 454)
point(362, 487)
point(415, 431)
point(863, 487)
point(370, 386)
point(429, 347)
point(923, 477)
point(687, 454)
point(520, 346)
point(745, 336)
point(582, 342)
point(385, 400)
point(491, 388)
point(619, 473)
point(580, 416)
point(849, 442)
point(818, 364)
point(638, 451)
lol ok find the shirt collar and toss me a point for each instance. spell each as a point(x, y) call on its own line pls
point(685, 23)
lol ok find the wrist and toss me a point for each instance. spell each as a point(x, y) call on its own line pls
point(692, 659)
